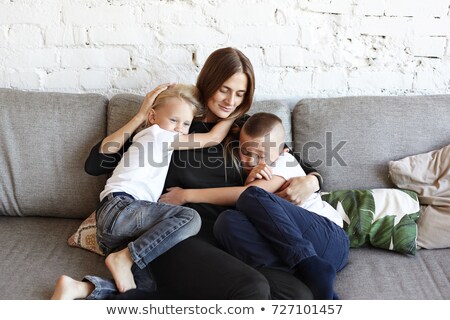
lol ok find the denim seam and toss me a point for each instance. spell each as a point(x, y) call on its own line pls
point(138, 257)
point(99, 290)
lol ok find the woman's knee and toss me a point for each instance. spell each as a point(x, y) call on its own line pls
point(285, 286)
point(251, 286)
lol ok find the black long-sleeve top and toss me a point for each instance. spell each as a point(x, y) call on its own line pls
point(193, 169)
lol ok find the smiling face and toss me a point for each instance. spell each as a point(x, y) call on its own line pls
point(227, 98)
point(265, 149)
point(174, 115)
point(225, 70)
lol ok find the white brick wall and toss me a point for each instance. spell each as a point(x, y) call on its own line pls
point(300, 48)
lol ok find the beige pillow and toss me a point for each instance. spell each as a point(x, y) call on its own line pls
point(428, 174)
point(86, 236)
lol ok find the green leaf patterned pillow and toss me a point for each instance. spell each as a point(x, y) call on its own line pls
point(383, 218)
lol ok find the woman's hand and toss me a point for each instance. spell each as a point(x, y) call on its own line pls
point(175, 196)
point(261, 171)
point(299, 189)
point(150, 99)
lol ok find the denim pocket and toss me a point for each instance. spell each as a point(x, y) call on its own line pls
point(108, 214)
point(127, 222)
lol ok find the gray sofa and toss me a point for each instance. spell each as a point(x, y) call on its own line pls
point(45, 193)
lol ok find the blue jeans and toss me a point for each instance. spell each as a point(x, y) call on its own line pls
point(106, 288)
point(268, 231)
point(148, 228)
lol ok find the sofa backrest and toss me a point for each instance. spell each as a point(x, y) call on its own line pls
point(366, 133)
point(45, 139)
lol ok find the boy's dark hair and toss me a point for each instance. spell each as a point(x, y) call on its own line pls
point(260, 124)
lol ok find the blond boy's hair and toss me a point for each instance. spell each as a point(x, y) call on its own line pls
point(186, 92)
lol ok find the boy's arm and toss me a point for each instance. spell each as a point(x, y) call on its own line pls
point(114, 142)
point(299, 188)
point(202, 140)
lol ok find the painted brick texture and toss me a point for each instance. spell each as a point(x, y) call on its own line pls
point(300, 48)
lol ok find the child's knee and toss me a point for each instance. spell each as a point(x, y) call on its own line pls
point(195, 222)
point(248, 197)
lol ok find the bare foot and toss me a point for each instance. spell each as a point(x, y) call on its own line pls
point(69, 289)
point(119, 263)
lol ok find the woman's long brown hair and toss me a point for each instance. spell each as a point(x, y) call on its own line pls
point(220, 66)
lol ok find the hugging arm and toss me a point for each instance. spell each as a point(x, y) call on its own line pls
point(298, 189)
point(114, 142)
point(225, 196)
point(202, 140)
point(99, 163)
point(106, 154)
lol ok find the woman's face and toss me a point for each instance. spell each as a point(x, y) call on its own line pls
point(227, 98)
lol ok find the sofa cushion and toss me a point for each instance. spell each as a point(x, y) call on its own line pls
point(123, 107)
point(45, 139)
point(383, 218)
point(350, 140)
point(35, 253)
point(385, 275)
point(428, 174)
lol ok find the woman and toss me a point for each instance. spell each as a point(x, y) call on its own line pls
point(265, 230)
point(197, 268)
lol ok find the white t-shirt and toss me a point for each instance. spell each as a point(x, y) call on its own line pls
point(143, 168)
point(286, 166)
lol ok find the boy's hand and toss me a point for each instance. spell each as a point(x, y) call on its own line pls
point(150, 99)
point(261, 171)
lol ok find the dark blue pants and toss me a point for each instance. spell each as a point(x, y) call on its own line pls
point(268, 231)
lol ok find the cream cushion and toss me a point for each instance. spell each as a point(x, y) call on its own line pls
point(428, 174)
